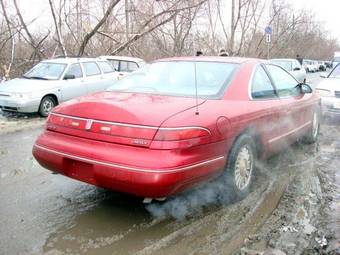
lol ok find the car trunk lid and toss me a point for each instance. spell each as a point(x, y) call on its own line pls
point(125, 118)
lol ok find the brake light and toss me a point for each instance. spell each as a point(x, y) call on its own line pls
point(165, 134)
point(176, 138)
point(76, 123)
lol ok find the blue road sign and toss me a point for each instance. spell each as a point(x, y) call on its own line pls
point(268, 30)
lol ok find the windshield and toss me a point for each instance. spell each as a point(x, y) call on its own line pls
point(287, 65)
point(46, 71)
point(335, 72)
point(178, 78)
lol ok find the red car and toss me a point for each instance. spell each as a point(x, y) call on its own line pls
point(178, 122)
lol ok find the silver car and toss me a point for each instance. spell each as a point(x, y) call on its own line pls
point(293, 67)
point(329, 91)
point(54, 81)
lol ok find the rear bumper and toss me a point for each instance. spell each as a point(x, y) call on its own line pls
point(152, 181)
point(16, 105)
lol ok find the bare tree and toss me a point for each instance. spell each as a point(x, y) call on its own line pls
point(89, 35)
point(7, 68)
point(148, 26)
point(60, 40)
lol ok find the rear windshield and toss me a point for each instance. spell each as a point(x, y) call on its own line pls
point(177, 78)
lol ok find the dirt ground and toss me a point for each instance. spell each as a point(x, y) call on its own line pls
point(307, 219)
point(293, 208)
point(11, 122)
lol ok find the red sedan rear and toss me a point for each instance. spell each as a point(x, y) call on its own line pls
point(179, 122)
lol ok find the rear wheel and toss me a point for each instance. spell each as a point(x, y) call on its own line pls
point(313, 132)
point(46, 106)
point(241, 165)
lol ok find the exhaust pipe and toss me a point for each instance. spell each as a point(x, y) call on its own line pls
point(148, 200)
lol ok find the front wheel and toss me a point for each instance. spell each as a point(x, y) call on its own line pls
point(46, 106)
point(313, 132)
point(241, 165)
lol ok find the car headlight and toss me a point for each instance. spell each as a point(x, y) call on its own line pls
point(22, 95)
point(324, 92)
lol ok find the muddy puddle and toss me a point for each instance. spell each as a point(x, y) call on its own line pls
point(188, 223)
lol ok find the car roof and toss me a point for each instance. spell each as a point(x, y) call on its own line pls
point(71, 60)
point(125, 58)
point(222, 59)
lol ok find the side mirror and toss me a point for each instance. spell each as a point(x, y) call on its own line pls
point(297, 69)
point(69, 76)
point(306, 89)
point(323, 75)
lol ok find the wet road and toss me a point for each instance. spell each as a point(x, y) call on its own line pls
point(46, 213)
point(43, 213)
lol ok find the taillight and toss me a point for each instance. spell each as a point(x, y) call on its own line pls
point(135, 135)
point(176, 138)
point(58, 120)
point(130, 134)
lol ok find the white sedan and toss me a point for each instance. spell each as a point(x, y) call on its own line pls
point(329, 91)
point(54, 81)
point(293, 67)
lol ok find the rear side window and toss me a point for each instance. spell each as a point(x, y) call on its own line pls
point(261, 86)
point(132, 66)
point(127, 66)
point(75, 70)
point(106, 67)
point(91, 68)
point(285, 84)
point(115, 64)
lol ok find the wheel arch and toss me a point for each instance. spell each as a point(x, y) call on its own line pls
point(253, 132)
point(54, 96)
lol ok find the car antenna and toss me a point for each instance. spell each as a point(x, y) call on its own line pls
point(196, 90)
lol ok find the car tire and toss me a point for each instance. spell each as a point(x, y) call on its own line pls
point(46, 106)
point(241, 165)
point(313, 133)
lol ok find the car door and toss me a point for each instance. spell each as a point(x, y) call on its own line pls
point(73, 84)
point(266, 106)
point(295, 112)
point(94, 78)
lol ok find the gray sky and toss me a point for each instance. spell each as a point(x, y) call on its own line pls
point(326, 11)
